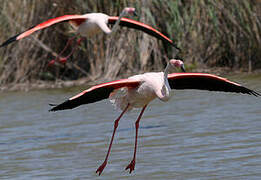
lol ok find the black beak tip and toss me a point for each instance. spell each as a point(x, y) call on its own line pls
point(183, 68)
point(135, 14)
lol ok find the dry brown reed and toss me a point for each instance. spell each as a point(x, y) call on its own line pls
point(212, 33)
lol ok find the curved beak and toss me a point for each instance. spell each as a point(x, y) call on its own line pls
point(183, 68)
point(134, 13)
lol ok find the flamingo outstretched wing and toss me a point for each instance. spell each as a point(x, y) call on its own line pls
point(143, 27)
point(95, 93)
point(203, 81)
point(42, 26)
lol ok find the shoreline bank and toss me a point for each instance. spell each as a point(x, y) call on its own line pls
point(41, 84)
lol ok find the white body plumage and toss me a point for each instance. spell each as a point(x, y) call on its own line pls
point(95, 23)
point(152, 85)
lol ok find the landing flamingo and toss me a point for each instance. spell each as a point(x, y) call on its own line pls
point(90, 24)
point(137, 91)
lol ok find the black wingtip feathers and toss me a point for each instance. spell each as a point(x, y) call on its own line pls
point(255, 93)
point(10, 40)
point(65, 105)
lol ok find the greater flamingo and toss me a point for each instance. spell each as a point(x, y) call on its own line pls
point(137, 91)
point(90, 24)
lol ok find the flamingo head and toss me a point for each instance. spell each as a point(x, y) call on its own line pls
point(178, 64)
point(130, 10)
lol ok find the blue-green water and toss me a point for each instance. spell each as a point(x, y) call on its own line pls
point(196, 135)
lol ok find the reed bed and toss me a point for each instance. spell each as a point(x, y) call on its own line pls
point(210, 34)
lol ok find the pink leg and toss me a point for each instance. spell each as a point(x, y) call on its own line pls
point(100, 169)
point(131, 166)
point(64, 59)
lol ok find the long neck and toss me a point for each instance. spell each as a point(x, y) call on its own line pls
point(166, 71)
point(116, 25)
point(164, 93)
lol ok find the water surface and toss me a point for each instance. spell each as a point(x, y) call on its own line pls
point(196, 135)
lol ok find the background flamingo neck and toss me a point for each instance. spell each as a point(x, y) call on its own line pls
point(166, 71)
point(118, 21)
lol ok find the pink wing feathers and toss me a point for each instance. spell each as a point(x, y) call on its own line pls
point(95, 93)
point(76, 18)
point(143, 27)
point(203, 81)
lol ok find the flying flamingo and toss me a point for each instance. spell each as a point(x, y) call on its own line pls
point(90, 24)
point(137, 91)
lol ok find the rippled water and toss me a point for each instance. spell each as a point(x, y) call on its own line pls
point(196, 135)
